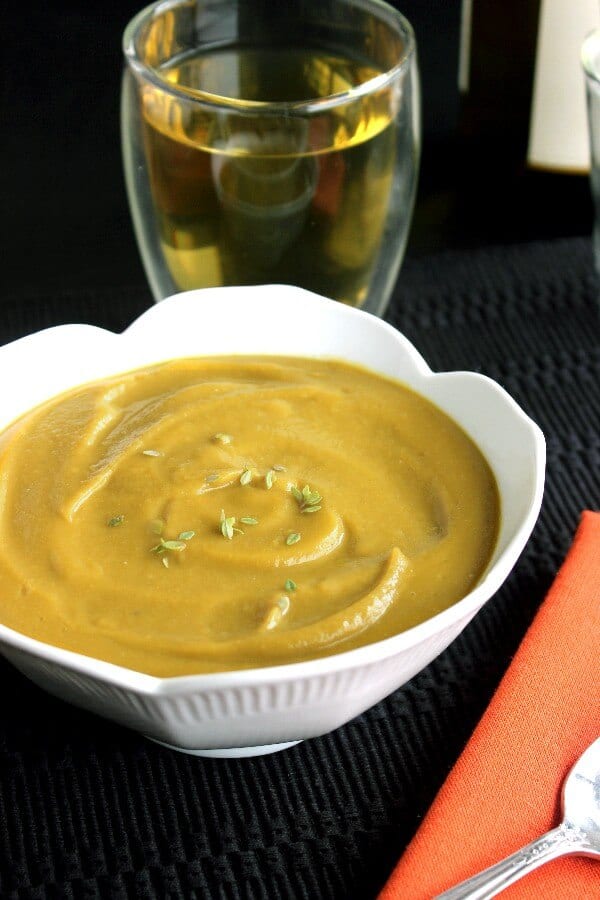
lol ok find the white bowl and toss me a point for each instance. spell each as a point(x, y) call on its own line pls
point(261, 710)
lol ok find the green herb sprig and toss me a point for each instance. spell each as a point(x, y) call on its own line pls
point(172, 546)
point(164, 546)
point(308, 501)
point(228, 526)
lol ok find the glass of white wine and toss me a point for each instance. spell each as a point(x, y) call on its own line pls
point(272, 143)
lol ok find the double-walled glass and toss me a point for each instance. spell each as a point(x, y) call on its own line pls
point(272, 143)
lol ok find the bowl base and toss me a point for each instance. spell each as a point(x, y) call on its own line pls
point(228, 752)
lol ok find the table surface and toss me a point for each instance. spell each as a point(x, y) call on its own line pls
point(89, 809)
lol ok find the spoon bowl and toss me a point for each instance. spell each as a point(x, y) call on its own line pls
point(581, 800)
point(577, 835)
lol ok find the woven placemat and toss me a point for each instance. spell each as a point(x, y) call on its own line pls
point(88, 809)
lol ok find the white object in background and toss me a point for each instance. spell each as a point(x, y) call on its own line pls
point(464, 54)
point(558, 134)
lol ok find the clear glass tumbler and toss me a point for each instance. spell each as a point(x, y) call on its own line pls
point(272, 143)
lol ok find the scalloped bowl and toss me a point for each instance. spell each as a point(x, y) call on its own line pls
point(261, 710)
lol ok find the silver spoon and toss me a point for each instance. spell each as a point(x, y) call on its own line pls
point(578, 834)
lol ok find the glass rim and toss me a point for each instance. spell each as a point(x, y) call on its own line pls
point(234, 104)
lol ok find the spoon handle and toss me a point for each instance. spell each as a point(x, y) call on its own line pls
point(558, 842)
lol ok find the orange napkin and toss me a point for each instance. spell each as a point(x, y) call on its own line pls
point(504, 791)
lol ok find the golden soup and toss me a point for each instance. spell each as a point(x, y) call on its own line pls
point(224, 513)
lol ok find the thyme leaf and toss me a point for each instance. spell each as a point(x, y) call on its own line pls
point(227, 523)
point(178, 546)
point(166, 546)
point(308, 500)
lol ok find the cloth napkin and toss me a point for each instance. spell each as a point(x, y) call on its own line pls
point(504, 791)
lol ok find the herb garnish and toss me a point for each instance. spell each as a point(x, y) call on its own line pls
point(116, 520)
point(228, 526)
point(270, 479)
point(290, 585)
point(309, 501)
point(249, 520)
point(151, 453)
point(292, 538)
point(246, 476)
point(172, 546)
point(161, 548)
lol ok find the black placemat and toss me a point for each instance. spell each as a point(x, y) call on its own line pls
point(88, 809)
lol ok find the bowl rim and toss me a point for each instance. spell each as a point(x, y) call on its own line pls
point(372, 653)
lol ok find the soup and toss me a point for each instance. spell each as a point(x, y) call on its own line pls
point(223, 513)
